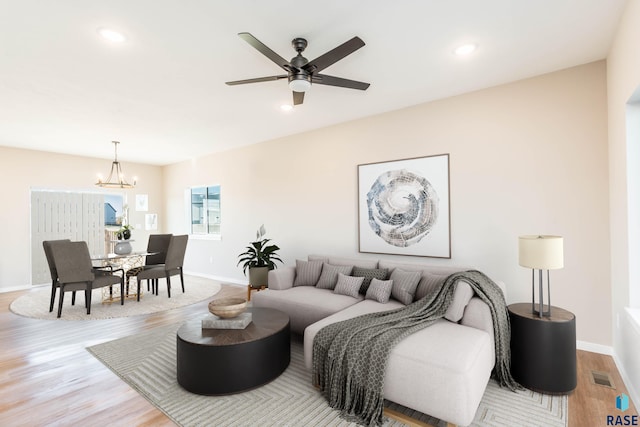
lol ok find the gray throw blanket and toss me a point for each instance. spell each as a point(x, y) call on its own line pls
point(350, 357)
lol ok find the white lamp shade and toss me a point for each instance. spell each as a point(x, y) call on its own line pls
point(541, 252)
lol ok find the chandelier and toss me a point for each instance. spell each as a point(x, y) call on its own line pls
point(116, 177)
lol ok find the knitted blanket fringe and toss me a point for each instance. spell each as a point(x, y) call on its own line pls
point(350, 357)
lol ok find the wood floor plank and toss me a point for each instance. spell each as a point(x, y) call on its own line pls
point(48, 378)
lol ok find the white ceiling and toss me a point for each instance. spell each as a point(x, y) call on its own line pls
point(162, 92)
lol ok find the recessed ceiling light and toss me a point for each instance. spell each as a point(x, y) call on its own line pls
point(286, 107)
point(111, 35)
point(465, 49)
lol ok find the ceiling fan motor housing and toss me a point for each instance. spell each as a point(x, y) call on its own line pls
point(299, 78)
point(299, 44)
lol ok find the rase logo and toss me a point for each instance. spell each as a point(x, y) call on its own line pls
point(622, 404)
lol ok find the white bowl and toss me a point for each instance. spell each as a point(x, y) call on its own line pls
point(227, 307)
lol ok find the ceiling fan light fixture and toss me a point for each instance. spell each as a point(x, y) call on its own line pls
point(111, 35)
point(299, 85)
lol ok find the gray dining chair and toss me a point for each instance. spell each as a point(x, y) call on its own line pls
point(54, 274)
point(172, 266)
point(76, 273)
point(157, 246)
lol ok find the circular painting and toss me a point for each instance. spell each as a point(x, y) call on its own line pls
point(403, 207)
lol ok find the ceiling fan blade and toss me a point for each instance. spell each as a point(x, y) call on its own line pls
point(298, 98)
point(257, 80)
point(323, 79)
point(262, 48)
point(334, 55)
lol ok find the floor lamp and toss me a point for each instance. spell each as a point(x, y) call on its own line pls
point(541, 253)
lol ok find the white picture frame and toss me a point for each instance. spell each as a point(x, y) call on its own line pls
point(151, 222)
point(142, 202)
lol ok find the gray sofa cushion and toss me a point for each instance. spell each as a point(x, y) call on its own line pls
point(363, 307)
point(348, 285)
point(404, 285)
point(307, 272)
point(363, 263)
point(444, 356)
point(433, 269)
point(368, 274)
point(329, 276)
point(304, 304)
point(429, 283)
point(461, 297)
point(318, 258)
point(379, 290)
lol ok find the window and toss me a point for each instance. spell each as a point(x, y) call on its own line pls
point(113, 209)
point(205, 210)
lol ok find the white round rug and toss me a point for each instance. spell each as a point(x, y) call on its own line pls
point(36, 303)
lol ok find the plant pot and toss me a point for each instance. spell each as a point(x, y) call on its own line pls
point(258, 276)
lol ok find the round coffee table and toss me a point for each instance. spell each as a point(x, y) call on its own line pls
point(225, 361)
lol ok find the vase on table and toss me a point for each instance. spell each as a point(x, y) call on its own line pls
point(123, 247)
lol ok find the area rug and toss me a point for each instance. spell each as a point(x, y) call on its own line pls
point(36, 303)
point(147, 362)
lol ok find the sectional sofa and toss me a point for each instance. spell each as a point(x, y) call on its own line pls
point(442, 370)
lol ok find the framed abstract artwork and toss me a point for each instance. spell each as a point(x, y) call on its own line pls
point(151, 222)
point(403, 207)
point(142, 202)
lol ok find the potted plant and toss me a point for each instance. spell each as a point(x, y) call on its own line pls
point(123, 245)
point(259, 259)
point(124, 232)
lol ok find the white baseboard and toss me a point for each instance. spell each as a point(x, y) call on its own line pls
point(594, 348)
point(22, 288)
point(633, 393)
point(225, 280)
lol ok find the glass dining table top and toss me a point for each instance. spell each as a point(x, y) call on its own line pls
point(112, 257)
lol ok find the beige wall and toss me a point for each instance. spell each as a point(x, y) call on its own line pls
point(526, 158)
point(23, 170)
point(623, 78)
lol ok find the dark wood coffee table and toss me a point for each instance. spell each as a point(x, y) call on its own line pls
point(225, 361)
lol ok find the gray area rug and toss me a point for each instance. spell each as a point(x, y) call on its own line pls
point(147, 362)
point(36, 303)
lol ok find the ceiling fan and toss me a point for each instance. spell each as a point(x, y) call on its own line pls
point(301, 72)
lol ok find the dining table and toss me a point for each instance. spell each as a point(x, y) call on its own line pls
point(129, 263)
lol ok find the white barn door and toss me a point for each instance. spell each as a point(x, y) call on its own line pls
point(64, 215)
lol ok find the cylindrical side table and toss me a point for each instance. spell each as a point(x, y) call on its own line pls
point(543, 349)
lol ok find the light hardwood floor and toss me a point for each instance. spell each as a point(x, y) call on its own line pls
point(47, 378)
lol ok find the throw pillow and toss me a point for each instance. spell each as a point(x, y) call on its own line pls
point(348, 285)
point(462, 294)
point(404, 285)
point(379, 290)
point(329, 276)
point(368, 274)
point(307, 273)
point(428, 284)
